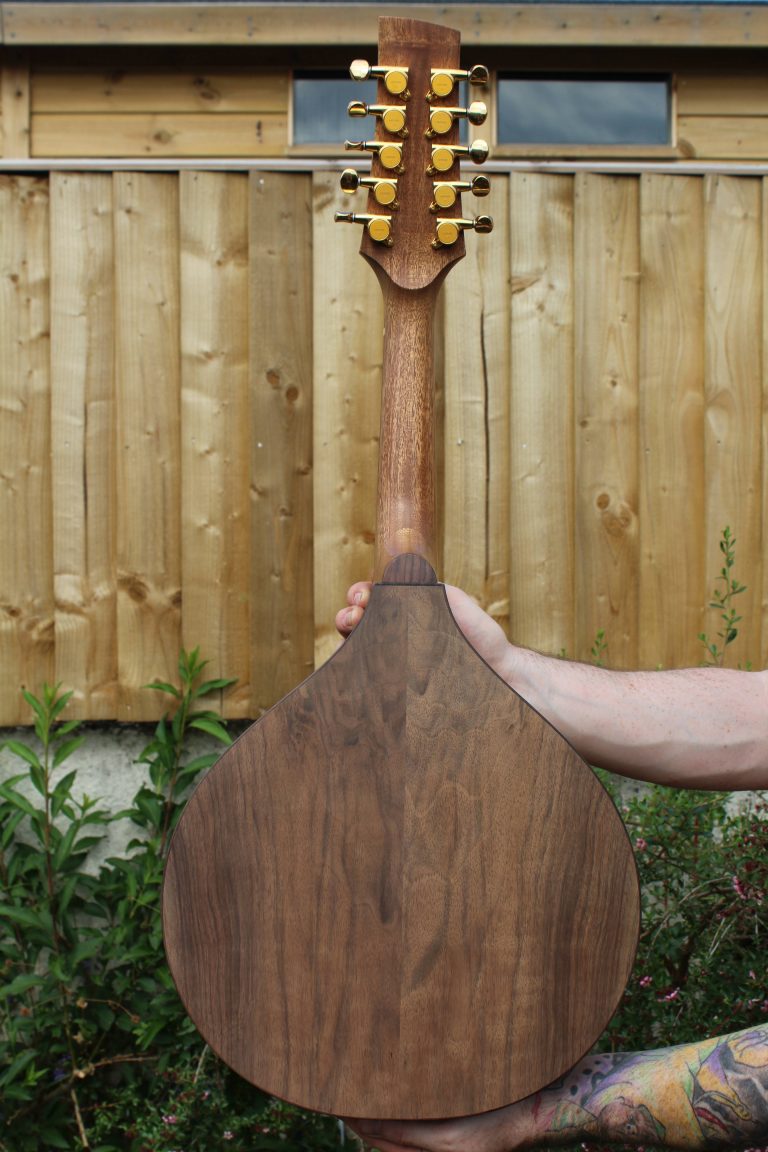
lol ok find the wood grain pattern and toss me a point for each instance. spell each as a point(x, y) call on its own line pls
point(410, 928)
point(149, 90)
point(733, 390)
point(215, 426)
point(606, 382)
point(347, 357)
point(148, 543)
point(164, 134)
point(671, 414)
point(15, 104)
point(281, 469)
point(83, 440)
point(26, 560)
point(515, 25)
point(541, 434)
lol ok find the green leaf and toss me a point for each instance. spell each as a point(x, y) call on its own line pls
point(65, 750)
point(164, 686)
point(24, 752)
point(20, 985)
point(26, 917)
point(214, 686)
point(212, 727)
point(17, 1066)
point(16, 799)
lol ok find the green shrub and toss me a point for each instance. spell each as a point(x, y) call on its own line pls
point(96, 1050)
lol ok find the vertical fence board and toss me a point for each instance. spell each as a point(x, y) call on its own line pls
point(733, 320)
point(14, 103)
point(348, 319)
point(607, 257)
point(83, 440)
point(148, 452)
point(282, 637)
point(672, 586)
point(214, 427)
point(541, 412)
point(26, 562)
point(476, 371)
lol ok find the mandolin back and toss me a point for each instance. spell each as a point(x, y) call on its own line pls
point(401, 893)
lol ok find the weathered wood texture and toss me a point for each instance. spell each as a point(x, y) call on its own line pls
point(131, 108)
point(194, 459)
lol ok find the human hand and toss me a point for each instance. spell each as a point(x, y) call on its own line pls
point(500, 1131)
point(484, 634)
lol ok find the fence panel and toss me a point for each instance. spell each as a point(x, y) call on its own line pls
point(194, 458)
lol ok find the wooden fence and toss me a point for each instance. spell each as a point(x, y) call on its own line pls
point(189, 417)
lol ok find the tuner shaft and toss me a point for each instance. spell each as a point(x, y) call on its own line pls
point(449, 229)
point(443, 155)
point(442, 119)
point(384, 191)
point(395, 76)
point(379, 228)
point(392, 115)
point(443, 79)
point(390, 155)
point(446, 191)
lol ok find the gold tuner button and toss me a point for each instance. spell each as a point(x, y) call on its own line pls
point(444, 156)
point(384, 191)
point(446, 191)
point(448, 231)
point(395, 78)
point(390, 155)
point(442, 119)
point(379, 228)
point(392, 115)
point(443, 79)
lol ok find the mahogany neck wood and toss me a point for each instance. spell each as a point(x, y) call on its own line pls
point(405, 518)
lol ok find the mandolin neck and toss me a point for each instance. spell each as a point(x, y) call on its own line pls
point(405, 519)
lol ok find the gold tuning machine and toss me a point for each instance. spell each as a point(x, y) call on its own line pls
point(395, 77)
point(442, 119)
point(443, 155)
point(443, 79)
point(446, 191)
point(379, 228)
point(390, 155)
point(392, 115)
point(448, 230)
point(384, 191)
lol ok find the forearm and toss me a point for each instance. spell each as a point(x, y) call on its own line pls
point(708, 1095)
point(695, 728)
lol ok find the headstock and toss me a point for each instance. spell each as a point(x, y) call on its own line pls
point(413, 225)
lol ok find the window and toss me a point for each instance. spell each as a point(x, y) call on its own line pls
point(583, 110)
point(320, 102)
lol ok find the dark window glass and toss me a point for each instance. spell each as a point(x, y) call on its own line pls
point(583, 110)
point(320, 102)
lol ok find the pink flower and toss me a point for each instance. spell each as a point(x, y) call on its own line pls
point(228, 1135)
point(673, 995)
point(170, 1119)
point(738, 887)
point(645, 981)
point(641, 844)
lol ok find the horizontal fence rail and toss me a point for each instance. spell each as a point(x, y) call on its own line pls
point(189, 396)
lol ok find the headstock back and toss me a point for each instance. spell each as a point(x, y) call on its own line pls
point(412, 257)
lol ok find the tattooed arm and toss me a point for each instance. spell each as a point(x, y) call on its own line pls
point(709, 1095)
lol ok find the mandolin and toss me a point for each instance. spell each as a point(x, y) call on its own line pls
point(401, 893)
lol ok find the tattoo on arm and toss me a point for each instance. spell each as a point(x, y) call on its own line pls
point(710, 1095)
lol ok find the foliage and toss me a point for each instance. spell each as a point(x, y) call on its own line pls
point(95, 1049)
point(703, 866)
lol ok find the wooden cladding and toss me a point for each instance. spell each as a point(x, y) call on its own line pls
point(189, 398)
point(130, 108)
